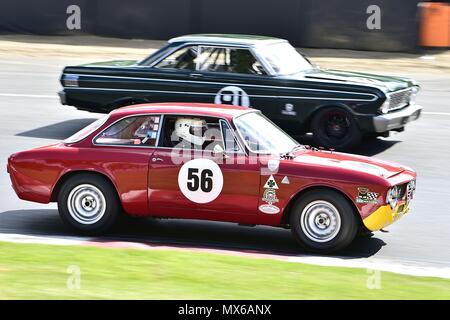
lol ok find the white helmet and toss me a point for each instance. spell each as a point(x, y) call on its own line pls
point(191, 130)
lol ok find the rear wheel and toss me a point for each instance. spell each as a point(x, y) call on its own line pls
point(335, 127)
point(323, 221)
point(89, 204)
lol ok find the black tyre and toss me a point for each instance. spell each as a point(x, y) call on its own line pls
point(364, 233)
point(335, 127)
point(323, 221)
point(88, 204)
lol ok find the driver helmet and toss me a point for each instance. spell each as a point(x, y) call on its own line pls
point(191, 130)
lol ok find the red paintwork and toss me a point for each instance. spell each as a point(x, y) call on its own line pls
point(150, 189)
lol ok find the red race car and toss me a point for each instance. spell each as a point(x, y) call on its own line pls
point(213, 162)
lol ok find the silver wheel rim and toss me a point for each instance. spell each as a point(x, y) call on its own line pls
point(320, 221)
point(86, 204)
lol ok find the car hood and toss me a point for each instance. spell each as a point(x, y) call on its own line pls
point(350, 162)
point(112, 63)
point(384, 83)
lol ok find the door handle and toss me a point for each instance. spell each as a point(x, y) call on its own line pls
point(196, 75)
point(157, 160)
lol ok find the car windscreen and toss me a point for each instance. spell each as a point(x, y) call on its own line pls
point(261, 135)
point(284, 59)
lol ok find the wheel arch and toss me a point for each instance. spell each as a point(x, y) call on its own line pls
point(69, 174)
point(287, 211)
point(125, 101)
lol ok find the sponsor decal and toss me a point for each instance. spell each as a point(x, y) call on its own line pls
point(200, 180)
point(366, 196)
point(232, 95)
point(269, 209)
point(285, 180)
point(289, 110)
point(271, 183)
point(270, 196)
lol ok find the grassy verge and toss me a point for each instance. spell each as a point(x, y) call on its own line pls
point(41, 272)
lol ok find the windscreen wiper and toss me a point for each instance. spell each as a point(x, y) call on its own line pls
point(290, 154)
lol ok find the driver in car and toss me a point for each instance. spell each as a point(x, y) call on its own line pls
point(242, 61)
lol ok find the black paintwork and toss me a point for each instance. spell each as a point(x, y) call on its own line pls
point(102, 87)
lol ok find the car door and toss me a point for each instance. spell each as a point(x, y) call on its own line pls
point(196, 183)
point(124, 149)
point(234, 75)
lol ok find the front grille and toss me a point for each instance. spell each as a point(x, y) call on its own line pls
point(399, 99)
point(410, 190)
point(403, 190)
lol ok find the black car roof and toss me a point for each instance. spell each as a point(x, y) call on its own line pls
point(235, 39)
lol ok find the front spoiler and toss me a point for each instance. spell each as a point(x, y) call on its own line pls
point(385, 216)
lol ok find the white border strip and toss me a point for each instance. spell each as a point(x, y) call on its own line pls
point(376, 264)
point(364, 263)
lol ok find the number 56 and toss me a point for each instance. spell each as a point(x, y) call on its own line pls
point(203, 180)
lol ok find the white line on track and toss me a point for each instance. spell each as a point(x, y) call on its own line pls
point(406, 268)
point(437, 113)
point(20, 95)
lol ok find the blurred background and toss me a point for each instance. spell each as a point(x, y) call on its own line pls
point(351, 24)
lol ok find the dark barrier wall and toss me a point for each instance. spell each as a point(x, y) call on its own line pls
point(306, 23)
point(341, 24)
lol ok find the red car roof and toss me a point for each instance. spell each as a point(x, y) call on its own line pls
point(206, 109)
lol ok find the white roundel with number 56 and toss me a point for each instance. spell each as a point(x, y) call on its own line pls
point(200, 180)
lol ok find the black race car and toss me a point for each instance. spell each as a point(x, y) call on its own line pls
point(266, 73)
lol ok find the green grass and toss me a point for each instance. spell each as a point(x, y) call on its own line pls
point(40, 272)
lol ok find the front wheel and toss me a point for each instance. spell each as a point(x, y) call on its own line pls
point(323, 221)
point(89, 204)
point(335, 127)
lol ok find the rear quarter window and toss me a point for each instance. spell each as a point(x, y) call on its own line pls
point(86, 131)
point(134, 130)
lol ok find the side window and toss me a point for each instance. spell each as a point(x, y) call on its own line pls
point(234, 60)
point(136, 131)
point(182, 59)
point(191, 132)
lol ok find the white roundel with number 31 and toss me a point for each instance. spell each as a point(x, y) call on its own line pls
point(200, 180)
point(232, 95)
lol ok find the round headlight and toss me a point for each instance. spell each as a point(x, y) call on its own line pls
point(385, 106)
point(392, 196)
point(412, 97)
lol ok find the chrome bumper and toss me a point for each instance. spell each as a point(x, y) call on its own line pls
point(62, 97)
point(398, 119)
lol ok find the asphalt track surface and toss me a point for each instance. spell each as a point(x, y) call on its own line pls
point(32, 116)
